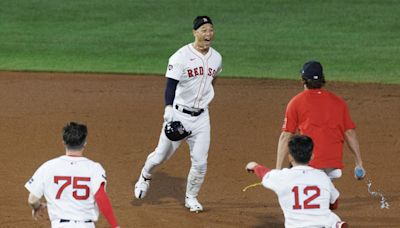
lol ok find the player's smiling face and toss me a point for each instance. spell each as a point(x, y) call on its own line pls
point(203, 37)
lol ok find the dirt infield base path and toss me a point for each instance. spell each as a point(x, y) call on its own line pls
point(124, 115)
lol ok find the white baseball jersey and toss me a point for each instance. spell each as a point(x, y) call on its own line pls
point(69, 185)
point(304, 195)
point(195, 72)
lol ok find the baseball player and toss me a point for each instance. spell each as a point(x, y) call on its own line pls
point(324, 117)
point(191, 74)
point(306, 195)
point(73, 186)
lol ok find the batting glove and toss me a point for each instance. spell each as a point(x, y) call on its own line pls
point(250, 167)
point(168, 113)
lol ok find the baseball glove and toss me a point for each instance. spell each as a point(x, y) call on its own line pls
point(175, 131)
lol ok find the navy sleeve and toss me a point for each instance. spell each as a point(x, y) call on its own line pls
point(170, 91)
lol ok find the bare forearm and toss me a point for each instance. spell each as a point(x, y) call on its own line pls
point(354, 146)
point(283, 148)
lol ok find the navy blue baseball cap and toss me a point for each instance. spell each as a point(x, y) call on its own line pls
point(312, 70)
point(201, 20)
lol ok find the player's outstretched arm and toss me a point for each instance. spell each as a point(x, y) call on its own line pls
point(105, 207)
point(38, 208)
point(259, 170)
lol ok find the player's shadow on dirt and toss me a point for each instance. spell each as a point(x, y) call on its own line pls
point(163, 187)
point(249, 209)
point(269, 222)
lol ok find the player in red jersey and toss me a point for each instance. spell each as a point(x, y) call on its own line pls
point(324, 117)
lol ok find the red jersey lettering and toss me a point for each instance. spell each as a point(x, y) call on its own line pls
point(190, 73)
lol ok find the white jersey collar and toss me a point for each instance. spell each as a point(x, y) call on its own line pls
point(71, 158)
point(302, 167)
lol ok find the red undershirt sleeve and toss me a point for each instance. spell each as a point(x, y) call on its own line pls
point(335, 205)
point(260, 171)
point(104, 205)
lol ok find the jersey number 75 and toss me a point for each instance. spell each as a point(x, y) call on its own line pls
point(76, 185)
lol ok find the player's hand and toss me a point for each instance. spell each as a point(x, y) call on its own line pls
point(250, 167)
point(359, 172)
point(168, 113)
point(39, 212)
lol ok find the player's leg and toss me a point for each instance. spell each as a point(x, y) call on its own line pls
point(199, 144)
point(164, 150)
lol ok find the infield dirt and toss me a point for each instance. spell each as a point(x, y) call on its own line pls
point(124, 116)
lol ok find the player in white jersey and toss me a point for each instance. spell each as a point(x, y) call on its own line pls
point(191, 74)
point(73, 185)
point(306, 195)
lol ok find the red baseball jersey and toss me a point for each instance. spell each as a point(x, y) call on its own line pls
point(324, 117)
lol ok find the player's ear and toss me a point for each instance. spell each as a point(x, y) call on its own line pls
point(304, 83)
point(290, 158)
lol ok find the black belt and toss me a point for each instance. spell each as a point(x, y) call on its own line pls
point(192, 113)
point(67, 220)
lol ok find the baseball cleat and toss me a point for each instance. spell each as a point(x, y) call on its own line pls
point(193, 205)
point(141, 187)
point(342, 224)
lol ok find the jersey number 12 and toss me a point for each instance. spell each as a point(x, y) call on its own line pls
point(312, 191)
point(76, 185)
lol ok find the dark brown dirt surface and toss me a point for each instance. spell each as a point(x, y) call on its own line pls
point(124, 115)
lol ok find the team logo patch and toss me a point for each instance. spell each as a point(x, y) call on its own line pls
point(204, 19)
point(170, 67)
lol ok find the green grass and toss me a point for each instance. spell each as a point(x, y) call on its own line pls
point(356, 40)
